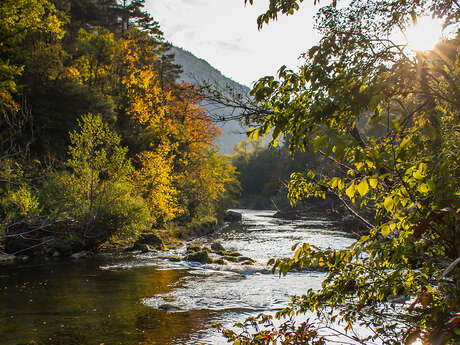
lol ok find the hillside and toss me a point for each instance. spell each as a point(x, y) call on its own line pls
point(195, 71)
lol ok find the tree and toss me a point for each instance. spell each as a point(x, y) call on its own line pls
point(97, 192)
point(20, 23)
point(402, 182)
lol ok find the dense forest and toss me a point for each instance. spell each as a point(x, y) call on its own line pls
point(99, 143)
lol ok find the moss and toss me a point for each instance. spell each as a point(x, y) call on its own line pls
point(248, 262)
point(219, 261)
point(231, 258)
point(193, 248)
point(201, 257)
point(172, 258)
point(227, 253)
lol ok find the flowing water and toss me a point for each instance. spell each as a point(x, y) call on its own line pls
point(142, 299)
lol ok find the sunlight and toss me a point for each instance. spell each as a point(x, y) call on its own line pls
point(424, 35)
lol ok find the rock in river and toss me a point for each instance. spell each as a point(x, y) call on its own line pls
point(201, 257)
point(152, 240)
point(216, 246)
point(232, 216)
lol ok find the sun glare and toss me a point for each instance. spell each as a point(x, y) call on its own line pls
point(424, 35)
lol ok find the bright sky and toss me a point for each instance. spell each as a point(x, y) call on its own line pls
point(224, 33)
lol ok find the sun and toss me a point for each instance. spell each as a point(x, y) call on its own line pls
point(424, 35)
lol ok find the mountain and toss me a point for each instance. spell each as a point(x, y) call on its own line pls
point(196, 71)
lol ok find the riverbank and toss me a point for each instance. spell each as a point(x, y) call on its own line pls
point(161, 239)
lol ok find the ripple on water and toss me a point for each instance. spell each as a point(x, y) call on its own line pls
point(218, 291)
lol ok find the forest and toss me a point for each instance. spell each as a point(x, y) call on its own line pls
point(99, 142)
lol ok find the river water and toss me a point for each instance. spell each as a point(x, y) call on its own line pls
point(143, 299)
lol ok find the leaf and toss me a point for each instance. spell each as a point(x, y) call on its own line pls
point(424, 188)
point(373, 182)
point(419, 174)
point(385, 230)
point(396, 125)
point(363, 188)
point(350, 191)
point(388, 203)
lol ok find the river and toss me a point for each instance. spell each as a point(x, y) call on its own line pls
point(122, 299)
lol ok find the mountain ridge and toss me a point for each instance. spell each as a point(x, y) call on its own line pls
point(198, 71)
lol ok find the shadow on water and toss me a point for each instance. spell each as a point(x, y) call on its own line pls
point(77, 303)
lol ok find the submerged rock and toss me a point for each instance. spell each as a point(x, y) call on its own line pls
point(233, 216)
point(201, 257)
point(168, 307)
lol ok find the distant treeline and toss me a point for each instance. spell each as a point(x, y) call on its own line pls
point(264, 172)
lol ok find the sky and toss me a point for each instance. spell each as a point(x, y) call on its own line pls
point(224, 33)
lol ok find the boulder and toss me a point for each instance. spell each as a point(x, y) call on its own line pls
point(243, 258)
point(232, 216)
point(142, 247)
point(152, 240)
point(231, 258)
point(227, 253)
point(80, 255)
point(193, 248)
point(249, 261)
point(201, 257)
point(219, 261)
point(171, 258)
point(216, 246)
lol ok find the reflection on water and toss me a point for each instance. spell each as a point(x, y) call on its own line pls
point(141, 299)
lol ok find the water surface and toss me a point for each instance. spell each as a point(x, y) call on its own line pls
point(141, 299)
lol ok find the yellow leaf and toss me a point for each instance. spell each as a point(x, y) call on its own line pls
point(373, 182)
point(385, 230)
point(423, 188)
point(340, 185)
point(363, 188)
point(388, 203)
point(350, 191)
